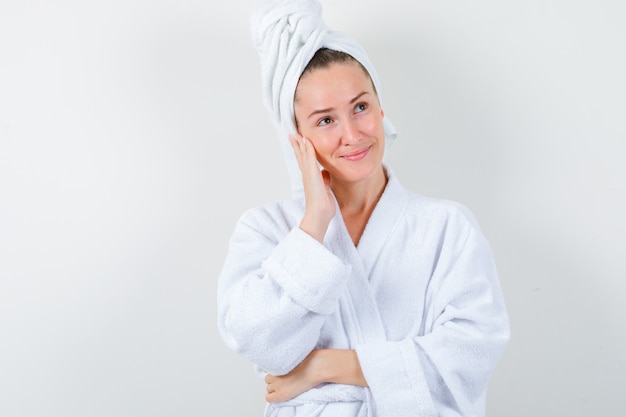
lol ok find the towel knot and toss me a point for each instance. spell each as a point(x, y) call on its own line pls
point(285, 33)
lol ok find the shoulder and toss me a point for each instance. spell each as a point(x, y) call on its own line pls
point(435, 218)
point(277, 216)
point(445, 228)
point(441, 209)
point(429, 209)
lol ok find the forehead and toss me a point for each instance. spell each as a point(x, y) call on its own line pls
point(337, 82)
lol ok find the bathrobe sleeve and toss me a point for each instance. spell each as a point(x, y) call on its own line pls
point(443, 369)
point(275, 290)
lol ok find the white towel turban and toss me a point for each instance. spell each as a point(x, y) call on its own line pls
point(287, 33)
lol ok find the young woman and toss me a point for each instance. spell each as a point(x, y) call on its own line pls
point(359, 297)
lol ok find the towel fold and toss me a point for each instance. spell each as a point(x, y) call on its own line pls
point(286, 34)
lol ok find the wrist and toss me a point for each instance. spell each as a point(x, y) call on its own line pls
point(337, 366)
point(315, 228)
point(323, 366)
point(341, 366)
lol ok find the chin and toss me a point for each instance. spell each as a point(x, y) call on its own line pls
point(357, 172)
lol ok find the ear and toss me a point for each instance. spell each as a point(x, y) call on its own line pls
point(382, 113)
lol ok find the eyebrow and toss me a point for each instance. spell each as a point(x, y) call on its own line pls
point(357, 97)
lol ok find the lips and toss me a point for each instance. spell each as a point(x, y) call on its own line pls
point(357, 155)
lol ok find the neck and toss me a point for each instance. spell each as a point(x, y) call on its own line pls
point(360, 197)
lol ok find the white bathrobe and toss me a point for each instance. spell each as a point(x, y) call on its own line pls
point(418, 299)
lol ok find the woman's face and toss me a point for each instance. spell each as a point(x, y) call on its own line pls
point(338, 110)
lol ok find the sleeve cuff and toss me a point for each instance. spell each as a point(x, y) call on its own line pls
point(308, 272)
point(396, 378)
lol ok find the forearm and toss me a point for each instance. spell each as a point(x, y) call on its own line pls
point(314, 227)
point(337, 366)
point(341, 366)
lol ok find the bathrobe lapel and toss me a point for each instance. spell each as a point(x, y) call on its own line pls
point(363, 320)
point(384, 219)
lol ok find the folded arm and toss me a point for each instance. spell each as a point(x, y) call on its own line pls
point(275, 294)
point(338, 366)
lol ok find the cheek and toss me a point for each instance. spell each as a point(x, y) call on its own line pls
point(306, 130)
point(373, 126)
point(377, 125)
point(325, 147)
point(322, 145)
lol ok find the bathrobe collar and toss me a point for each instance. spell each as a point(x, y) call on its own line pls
point(382, 222)
point(384, 218)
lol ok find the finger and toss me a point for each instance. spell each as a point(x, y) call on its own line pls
point(275, 397)
point(307, 145)
point(309, 153)
point(305, 154)
point(294, 140)
point(296, 145)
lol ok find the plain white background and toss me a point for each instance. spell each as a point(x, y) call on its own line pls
point(132, 136)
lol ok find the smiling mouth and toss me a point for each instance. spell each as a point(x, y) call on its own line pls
point(358, 155)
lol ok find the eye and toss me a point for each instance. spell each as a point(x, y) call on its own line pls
point(360, 107)
point(325, 121)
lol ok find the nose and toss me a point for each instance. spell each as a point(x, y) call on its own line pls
point(351, 132)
